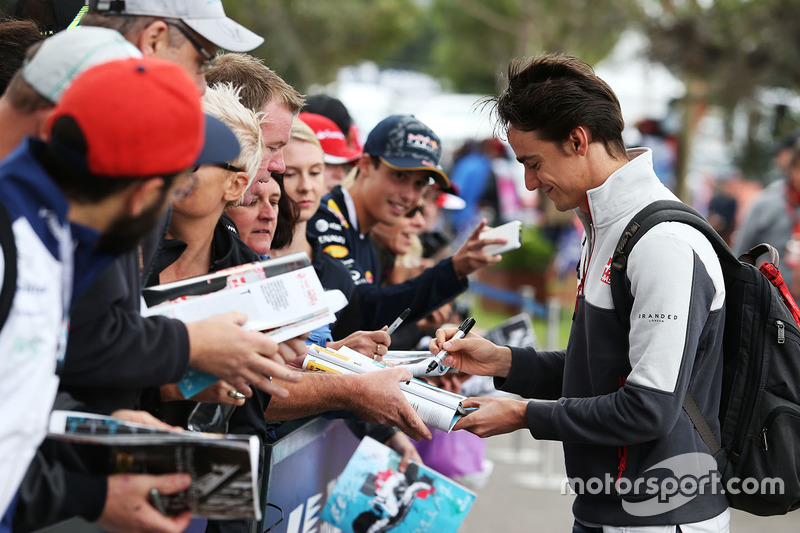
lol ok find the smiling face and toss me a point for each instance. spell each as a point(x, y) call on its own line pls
point(398, 238)
point(304, 180)
point(256, 221)
point(385, 194)
point(552, 167)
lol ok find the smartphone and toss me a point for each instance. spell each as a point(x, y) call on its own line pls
point(510, 231)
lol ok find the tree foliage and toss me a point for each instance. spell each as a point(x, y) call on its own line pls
point(724, 51)
point(733, 46)
point(476, 38)
point(307, 41)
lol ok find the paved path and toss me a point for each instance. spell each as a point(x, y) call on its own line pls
point(520, 498)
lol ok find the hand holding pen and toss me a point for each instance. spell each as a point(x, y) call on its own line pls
point(473, 354)
point(463, 329)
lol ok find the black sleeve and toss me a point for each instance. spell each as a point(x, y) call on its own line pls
point(430, 290)
point(348, 320)
point(57, 487)
point(534, 374)
point(112, 345)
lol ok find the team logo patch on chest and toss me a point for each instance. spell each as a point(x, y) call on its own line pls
point(336, 251)
point(606, 277)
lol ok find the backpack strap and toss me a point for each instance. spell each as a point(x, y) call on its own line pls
point(641, 223)
point(9, 248)
point(700, 423)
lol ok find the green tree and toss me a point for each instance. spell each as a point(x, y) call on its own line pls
point(476, 38)
point(307, 41)
point(724, 50)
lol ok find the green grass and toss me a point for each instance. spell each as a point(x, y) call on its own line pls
point(487, 319)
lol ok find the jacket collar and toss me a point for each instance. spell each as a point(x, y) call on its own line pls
point(625, 191)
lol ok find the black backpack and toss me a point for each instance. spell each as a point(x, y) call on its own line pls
point(759, 408)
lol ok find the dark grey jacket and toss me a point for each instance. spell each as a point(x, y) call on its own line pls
point(616, 393)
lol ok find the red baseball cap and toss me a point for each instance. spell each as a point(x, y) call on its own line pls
point(137, 118)
point(334, 144)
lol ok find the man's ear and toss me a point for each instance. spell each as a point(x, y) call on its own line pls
point(364, 165)
point(153, 38)
point(236, 187)
point(579, 139)
point(42, 116)
point(144, 196)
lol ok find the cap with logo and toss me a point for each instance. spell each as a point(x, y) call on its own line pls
point(137, 118)
point(62, 57)
point(403, 142)
point(206, 17)
point(334, 144)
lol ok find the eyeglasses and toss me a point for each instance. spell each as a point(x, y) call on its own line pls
point(207, 56)
point(414, 210)
point(228, 166)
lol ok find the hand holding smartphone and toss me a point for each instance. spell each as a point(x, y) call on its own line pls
point(510, 231)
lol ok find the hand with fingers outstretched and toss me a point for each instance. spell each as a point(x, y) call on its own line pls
point(472, 354)
point(220, 346)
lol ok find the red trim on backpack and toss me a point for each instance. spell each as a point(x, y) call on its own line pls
point(774, 276)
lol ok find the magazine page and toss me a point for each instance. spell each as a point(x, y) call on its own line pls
point(269, 303)
point(284, 306)
point(230, 278)
point(436, 407)
point(223, 468)
point(194, 381)
point(371, 495)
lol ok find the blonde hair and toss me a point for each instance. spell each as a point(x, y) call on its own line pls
point(222, 102)
point(260, 85)
point(303, 132)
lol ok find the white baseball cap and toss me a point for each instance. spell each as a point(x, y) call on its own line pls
point(206, 17)
point(65, 55)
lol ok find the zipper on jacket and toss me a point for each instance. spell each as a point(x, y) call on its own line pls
point(781, 331)
point(584, 272)
point(754, 374)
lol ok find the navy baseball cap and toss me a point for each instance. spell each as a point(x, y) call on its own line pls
point(404, 143)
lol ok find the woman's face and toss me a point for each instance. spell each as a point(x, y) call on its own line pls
point(210, 192)
point(303, 180)
point(397, 238)
point(256, 221)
